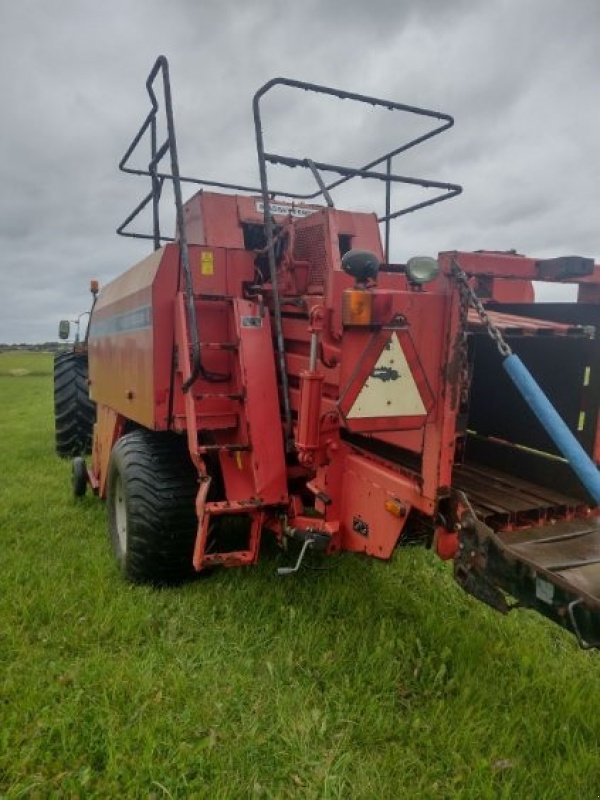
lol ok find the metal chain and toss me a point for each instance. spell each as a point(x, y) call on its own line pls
point(468, 296)
point(465, 378)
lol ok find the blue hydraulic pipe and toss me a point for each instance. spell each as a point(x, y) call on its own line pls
point(580, 462)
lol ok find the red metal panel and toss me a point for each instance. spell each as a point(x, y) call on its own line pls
point(362, 227)
point(502, 265)
point(211, 219)
point(504, 290)
point(505, 265)
point(440, 442)
point(121, 343)
point(367, 526)
point(240, 270)
point(209, 275)
point(107, 429)
point(262, 411)
point(209, 269)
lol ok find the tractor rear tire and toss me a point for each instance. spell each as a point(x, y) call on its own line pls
point(151, 491)
point(74, 412)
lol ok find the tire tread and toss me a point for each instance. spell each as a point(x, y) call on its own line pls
point(74, 411)
point(160, 485)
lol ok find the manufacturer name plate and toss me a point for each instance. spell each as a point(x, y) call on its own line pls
point(283, 209)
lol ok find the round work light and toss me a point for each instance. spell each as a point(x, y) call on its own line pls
point(422, 269)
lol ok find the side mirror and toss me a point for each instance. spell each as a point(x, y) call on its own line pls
point(64, 329)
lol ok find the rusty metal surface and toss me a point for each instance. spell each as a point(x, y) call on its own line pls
point(527, 326)
point(507, 498)
point(552, 568)
point(569, 550)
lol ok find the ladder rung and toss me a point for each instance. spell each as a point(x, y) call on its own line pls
point(219, 396)
point(215, 448)
point(236, 558)
point(218, 507)
point(223, 298)
point(219, 345)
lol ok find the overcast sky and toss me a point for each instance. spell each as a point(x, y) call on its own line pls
point(521, 78)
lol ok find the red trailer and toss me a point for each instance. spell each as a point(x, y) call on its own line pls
point(267, 370)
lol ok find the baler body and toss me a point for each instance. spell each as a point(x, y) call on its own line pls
point(356, 414)
point(411, 406)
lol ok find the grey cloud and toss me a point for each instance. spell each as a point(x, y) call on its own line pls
point(520, 79)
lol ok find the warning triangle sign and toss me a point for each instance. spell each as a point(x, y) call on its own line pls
point(390, 390)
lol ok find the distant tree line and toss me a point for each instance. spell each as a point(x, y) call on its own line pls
point(51, 347)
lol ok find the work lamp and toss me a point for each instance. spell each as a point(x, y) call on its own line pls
point(422, 269)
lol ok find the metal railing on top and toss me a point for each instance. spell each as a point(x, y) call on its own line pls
point(169, 147)
point(448, 190)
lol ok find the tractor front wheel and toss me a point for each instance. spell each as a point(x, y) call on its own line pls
point(151, 492)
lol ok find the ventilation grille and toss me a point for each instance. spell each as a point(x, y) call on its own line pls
point(309, 245)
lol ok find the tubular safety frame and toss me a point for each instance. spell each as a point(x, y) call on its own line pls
point(161, 65)
point(169, 146)
point(346, 173)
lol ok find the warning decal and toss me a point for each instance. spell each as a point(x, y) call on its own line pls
point(390, 390)
point(207, 263)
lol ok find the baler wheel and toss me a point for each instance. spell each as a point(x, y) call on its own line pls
point(151, 492)
point(79, 478)
point(74, 412)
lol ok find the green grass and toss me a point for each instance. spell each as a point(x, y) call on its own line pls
point(371, 680)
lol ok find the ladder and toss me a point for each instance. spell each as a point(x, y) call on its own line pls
point(233, 417)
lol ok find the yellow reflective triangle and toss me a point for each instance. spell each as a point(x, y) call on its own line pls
point(390, 390)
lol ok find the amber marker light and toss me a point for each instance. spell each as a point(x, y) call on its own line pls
point(357, 307)
point(395, 507)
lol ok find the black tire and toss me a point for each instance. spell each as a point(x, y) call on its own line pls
point(151, 491)
point(74, 412)
point(79, 477)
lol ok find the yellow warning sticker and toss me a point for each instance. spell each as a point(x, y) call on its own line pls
point(586, 376)
point(581, 421)
point(207, 263)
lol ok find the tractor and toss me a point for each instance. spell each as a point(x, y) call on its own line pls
point(74, 410)
point(267, 370)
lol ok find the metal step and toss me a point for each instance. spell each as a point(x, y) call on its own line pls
point(216, 552)
point(215, 298)
point(237, 558)
point(219, 396)
point(229, 346)
point(216, 448)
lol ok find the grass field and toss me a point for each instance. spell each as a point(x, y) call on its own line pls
point(370, 680)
